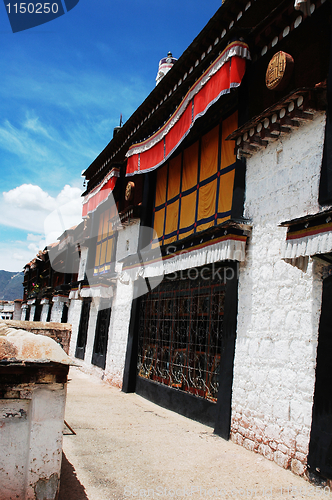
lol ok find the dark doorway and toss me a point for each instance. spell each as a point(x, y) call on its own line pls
point(83, 329)
point(320, 447)
point(64, 316)
point(38, 312)
point(49, 313)
point(101, 335)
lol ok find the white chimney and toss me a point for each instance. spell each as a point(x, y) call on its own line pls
point(165, 64)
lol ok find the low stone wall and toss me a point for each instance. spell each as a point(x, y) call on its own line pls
point(60, 332)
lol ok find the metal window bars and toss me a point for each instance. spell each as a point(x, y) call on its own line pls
point(180, 333)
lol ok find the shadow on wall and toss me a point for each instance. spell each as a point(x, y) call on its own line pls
point(70, 486)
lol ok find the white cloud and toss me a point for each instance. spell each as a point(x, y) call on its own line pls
point(14, 256)
point(32, 123)
point(27, 206)
point(34, 237)
point(18, 256)
point(32, 209)
point(30, 197)
point(20, 142)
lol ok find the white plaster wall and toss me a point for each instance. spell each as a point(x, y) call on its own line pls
point(56, 313)
point(31, 429)
point(44, 313)
point(279, 305)
point(17, 311)
point(74, 315)
point(127, 242)
point(23, 312)
point(83, 261)
point(120, 316)
point(32, 312)
point(118, 333)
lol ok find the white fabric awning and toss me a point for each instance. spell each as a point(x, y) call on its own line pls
point(307, 237)
point(229, 247)
point(103, 292)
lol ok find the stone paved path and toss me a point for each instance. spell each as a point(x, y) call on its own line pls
point(128, 448)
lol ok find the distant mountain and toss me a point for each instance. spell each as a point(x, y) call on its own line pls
point(11, 287)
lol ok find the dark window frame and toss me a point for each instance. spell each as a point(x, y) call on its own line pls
point(82, 335)
point(101, 334)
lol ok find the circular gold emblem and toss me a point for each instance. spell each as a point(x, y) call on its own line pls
point(129, 193)
point(279, 71)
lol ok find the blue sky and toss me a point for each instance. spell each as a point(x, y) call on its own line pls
point(63, 87)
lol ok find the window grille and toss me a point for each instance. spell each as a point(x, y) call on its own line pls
point(180, 332)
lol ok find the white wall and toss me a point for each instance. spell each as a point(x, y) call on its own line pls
point(57, 308)
point(74, 315)
point(31, 426)
point(118, 333)
point(45, 310)
point(279, 305)
point(119, 320)
point(32, 312)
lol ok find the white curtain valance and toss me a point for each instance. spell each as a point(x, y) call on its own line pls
point(225, 249)
point(308, 245)
point(307, 237)
point(103, 292)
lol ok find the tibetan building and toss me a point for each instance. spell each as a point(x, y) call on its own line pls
point(204, 281)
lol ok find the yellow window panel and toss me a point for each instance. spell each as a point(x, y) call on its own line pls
point(174, 177)
point(103, 253)
point(227, 147)
point(159, 218)
point(207, 200)
point(223, 219)
point(186, 234)
point(190, 166)
point(110, 245)
point(203, 227)
point(209, 154)
point(188, 209)
point(161, 186)
point(226, 192)
point(172, 217)
point(97, 255)
point(106, 222)
point(167, 241)
point(156, 244)
point(113, 212)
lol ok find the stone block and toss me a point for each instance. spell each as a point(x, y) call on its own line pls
point(302, 444)
point(248, 444)
point(283, 449)
point(282, 459)
point(273, 432)
point(301, 457)
point(237, 438)
point(288, 438)
point(266, 451)
point(297, 467)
